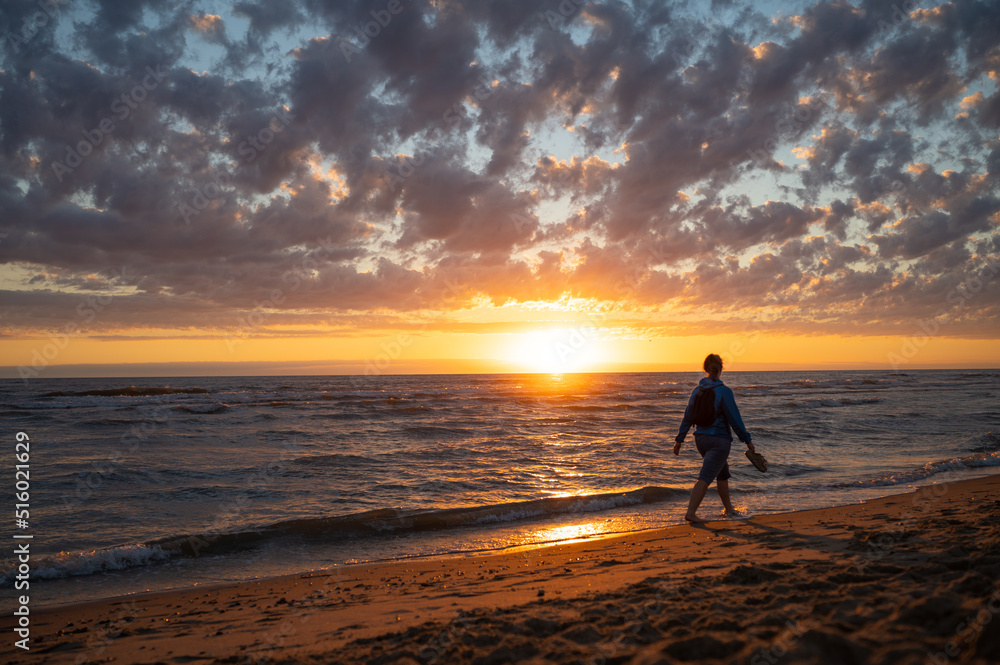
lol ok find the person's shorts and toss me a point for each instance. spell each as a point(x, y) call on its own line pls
point(715, 450)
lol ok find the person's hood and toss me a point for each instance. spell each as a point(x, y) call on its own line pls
point(709, 382)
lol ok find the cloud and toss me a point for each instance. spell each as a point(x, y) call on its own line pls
point(211, 26)
point(835, 166)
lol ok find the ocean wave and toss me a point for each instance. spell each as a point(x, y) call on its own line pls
point(371, 523)
point(434, 395)
point(834, 403)
point(21, 412)
point(424, 431)
point(976, 461)
point(769, 433)
point(554, 420)
point(854, 385)
point(795, 470)
point(332, 459)
point(341, 415)
point(200, 409)
point(276, 403)
point(130, 391)
point(836, 383)
point(70, 564)
point(107, 422)
point(985, 442)
point(343, 397)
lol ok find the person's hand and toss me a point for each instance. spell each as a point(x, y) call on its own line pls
point(677, 448)
point(750, 446)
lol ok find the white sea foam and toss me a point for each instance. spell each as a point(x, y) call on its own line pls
point(68, 564)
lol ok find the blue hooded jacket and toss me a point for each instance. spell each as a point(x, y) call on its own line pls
point(726, 413)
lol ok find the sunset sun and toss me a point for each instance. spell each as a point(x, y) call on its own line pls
point(556, 350)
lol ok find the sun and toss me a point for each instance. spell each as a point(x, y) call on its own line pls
point(556, 350)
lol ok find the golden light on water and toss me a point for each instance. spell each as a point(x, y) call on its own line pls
point(569, 533)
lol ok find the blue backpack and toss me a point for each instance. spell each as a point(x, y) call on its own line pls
point(703, 413)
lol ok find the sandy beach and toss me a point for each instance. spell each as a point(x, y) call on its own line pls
point(910, 578)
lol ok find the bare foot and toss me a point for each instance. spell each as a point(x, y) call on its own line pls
point(693, 519)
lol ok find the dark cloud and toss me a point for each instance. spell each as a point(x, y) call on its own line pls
point(267, 16)
point(836, 167)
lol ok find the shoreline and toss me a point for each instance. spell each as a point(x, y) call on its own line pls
point(712, 496)
point(356, 612)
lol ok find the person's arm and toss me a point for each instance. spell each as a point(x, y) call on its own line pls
point(732, 414)
point(685, 424)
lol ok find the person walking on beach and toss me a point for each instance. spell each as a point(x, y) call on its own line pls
point(712, 408)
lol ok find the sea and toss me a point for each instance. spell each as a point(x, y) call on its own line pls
point(149, 484)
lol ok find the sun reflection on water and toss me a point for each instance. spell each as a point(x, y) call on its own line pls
point(569, 533)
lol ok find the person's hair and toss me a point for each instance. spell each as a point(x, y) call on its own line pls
point(712, 359)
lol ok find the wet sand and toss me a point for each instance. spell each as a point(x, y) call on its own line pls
point(913, 578)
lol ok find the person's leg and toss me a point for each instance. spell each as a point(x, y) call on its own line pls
point(723, 487)
point(722, 482)
point(715, 459)
point(697, 494)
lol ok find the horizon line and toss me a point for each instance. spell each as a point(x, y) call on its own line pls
point(224, 369)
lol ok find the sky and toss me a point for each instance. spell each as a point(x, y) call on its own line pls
point(394, 186)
